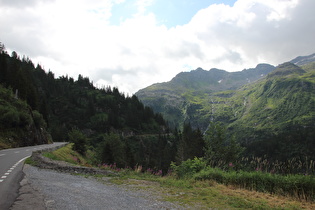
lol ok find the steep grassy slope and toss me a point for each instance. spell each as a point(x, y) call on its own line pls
point(276, 115)
point(272, 116)
point(187, 96)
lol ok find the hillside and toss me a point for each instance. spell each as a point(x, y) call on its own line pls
point(104, 124)
point(302, 60)
point(19, 124)
point(273, 116)
point(63, 104)
point(187, 92)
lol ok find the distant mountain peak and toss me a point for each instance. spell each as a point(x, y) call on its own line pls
point(199, 69)
point(262, 66)
point(207, 81)
point(302, 60)
point(286, 69)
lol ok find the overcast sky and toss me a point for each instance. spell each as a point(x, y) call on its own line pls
point(132, 44)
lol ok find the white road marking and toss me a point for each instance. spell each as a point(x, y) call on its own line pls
point(2, 155)
point(10, 170)
point(17, 152)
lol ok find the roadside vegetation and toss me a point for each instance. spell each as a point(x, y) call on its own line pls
point(194, 184)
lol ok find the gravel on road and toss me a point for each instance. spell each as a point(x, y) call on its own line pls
point(48, 189)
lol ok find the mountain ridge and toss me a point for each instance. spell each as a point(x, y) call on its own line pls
point(166, 97)
point(213, 76)
point(275, 112)
point(302, 60)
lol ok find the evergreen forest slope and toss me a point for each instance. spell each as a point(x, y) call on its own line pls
point(19, 124)
point(34, 101)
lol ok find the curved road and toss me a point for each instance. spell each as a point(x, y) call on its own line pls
point(11, 171)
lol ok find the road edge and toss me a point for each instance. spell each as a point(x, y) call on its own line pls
point(26, 196)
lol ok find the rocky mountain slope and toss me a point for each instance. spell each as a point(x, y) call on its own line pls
point(302, 60)
point(272, 109)
point(189, 90)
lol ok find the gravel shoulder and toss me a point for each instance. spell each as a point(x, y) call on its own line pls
point(50, 189)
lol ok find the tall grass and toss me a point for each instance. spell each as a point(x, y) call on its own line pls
point(281, 178)
point(293, 185)
point(301, 165)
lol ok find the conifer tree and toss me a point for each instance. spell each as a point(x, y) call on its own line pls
point(79, 141)
point(220, 150)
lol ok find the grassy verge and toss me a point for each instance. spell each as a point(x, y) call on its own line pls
point(30, 161)
point(207, 194)
point(190, 193)
point(299, 186)
point(67, 154)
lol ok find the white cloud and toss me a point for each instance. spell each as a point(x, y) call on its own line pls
point(76, 37)
point(142, 5)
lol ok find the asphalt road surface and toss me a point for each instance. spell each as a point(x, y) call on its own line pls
point(11, 171)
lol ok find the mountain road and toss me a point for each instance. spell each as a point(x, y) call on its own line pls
point(11, 171)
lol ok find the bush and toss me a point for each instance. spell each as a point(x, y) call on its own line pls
point(25, 119)
point(9, 117)
point(38, 119)
point(189, 167)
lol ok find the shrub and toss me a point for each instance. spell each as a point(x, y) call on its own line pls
point(9, 117)
point(189, 167)
point(38, 119)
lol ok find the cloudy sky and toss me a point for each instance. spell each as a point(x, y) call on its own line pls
point(132, 44)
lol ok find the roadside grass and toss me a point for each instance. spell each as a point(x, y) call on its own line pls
point(291, 185)
point(68, 155)
point(30, 161)
point(188, 192)
point(206, 194)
